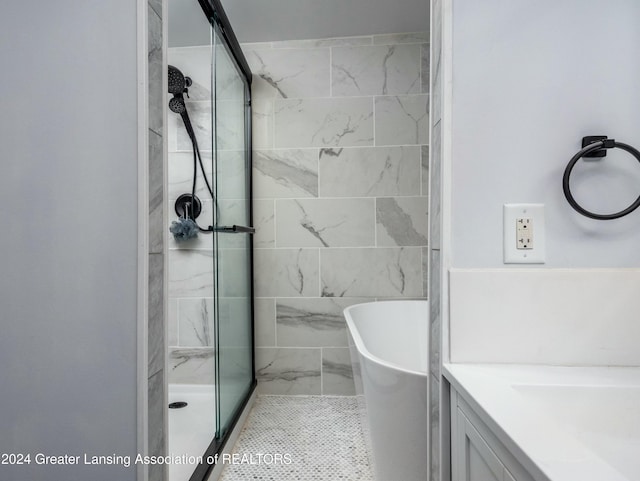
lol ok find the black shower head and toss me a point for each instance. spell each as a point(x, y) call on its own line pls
point(178, 83)
point(177, 105)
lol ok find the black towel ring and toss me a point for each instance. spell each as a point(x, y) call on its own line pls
point(591, 148)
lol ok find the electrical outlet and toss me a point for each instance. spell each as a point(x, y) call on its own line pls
point(522, 243)
point(524, 233)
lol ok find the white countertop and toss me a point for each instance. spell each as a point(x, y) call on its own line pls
point(561, 423)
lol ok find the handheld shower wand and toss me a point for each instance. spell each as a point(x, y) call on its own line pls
point(189, 204)
point(179, 85)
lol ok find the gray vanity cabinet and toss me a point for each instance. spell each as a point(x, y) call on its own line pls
point(476, 454)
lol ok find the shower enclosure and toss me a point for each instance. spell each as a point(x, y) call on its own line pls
point(211, 358)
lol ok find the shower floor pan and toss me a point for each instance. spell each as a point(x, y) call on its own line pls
point(192, 427)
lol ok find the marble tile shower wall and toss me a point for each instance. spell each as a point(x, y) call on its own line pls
point(438, 391)
point(340, 134)
point(190, 304)
point(156, 435)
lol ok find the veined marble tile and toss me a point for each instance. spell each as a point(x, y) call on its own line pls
point(329, 122)
point(156, 329)
point(290, 73)
point(234, 329)
point(156, 194)
point(435, 313)
point(200, 115)
point(232, 212)
point(155, 71)
point(325, 222)
point(180, 174)
point(248, 46)
point(326, 42)
point(156, 425)
point(401, 221)
point(402, 120)
point(190, 273)
point(286, 273)
point(369, 171)
point(288, 371)
point(424, 68)
point(230, 125)
point(174, 122)
point(264, 223)
point(231, 174)
point(435, 188)
point(378, 272)
point(395, 38)
point(337, 376)
point(436, 62)
point(285, 173)
point(425, 272)
point(195, 63)
point(229, 83)
point(157, 6)
point(312, 322)
point(192, 365)
point(375, 70)
point(265, 321)
point(424, 154)
point(233, 268)
point(172, 322)
point(434, 424)
point(195, 322)
point(262, 123)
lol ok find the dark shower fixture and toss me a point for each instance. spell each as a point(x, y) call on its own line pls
point(188, 206)
point(596, 146)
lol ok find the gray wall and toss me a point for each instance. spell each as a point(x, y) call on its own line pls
point(68, 205)
point(516, 124)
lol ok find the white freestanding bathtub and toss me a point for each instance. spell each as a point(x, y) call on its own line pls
point(389, 353)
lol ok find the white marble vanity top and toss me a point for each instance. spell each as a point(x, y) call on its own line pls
point(561, 423)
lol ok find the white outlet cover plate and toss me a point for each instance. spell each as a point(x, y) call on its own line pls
point(512, 255)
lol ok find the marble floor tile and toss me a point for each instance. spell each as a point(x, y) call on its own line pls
point(299, 426)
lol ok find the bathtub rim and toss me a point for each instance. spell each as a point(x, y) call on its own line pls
point(360, 345)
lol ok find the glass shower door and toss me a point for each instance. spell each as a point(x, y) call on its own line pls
point(233, 237)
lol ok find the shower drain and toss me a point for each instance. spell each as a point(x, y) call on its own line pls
point(177, 405)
